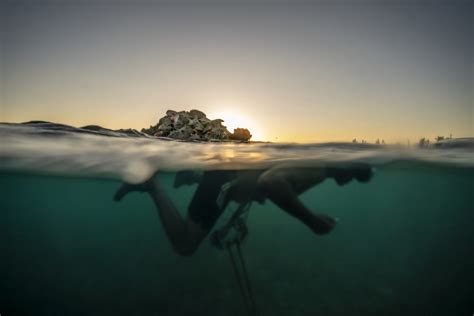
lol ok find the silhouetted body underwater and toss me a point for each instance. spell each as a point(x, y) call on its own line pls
point(280, 184)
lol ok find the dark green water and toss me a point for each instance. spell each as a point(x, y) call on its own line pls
point(403, 246)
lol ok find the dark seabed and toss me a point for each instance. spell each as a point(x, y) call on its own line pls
point(403, 246)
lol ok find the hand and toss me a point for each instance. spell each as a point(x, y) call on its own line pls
point(323, 224)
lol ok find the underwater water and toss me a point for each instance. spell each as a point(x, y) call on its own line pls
point(402, 246)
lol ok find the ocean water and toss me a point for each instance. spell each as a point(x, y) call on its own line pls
point(402, 246)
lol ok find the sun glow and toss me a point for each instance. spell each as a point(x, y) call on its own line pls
point(234, 120)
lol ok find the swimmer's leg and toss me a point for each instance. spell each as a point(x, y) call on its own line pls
point(282, 187)
point(184, 234)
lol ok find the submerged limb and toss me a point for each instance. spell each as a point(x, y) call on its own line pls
point(128, 187)
point(184, 234)
point(282, 187)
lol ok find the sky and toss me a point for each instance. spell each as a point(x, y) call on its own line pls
point(290, 72)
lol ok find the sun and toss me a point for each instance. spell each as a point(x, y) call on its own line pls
point(234, 120)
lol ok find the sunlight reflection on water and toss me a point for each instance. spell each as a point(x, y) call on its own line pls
point(135, 159)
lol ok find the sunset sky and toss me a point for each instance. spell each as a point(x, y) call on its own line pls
point(327, 71)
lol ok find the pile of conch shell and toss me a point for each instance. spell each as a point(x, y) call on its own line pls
point(194, 126)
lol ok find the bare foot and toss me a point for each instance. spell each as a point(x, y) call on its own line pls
point(127, 188)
